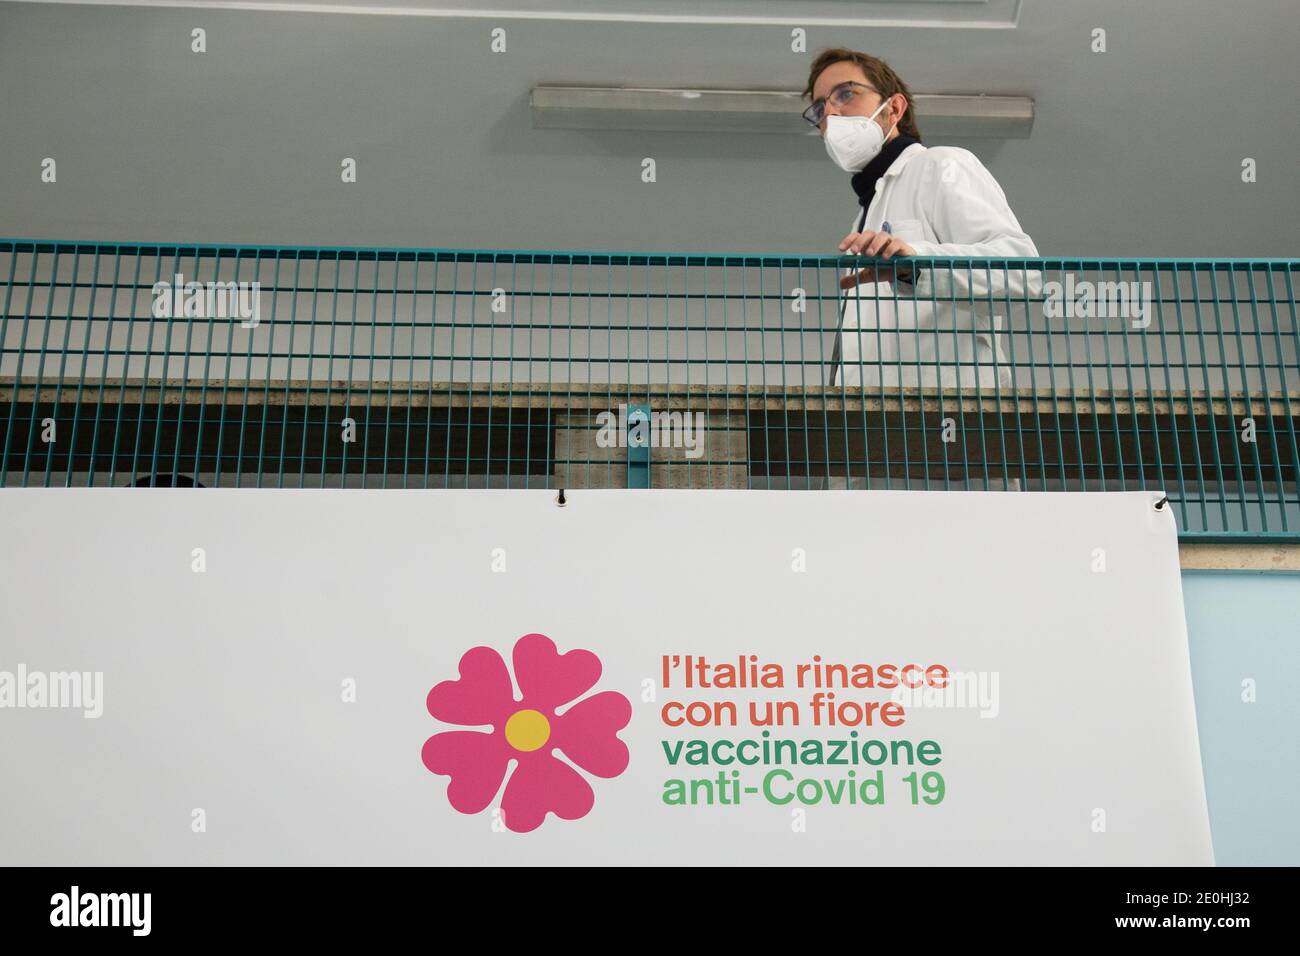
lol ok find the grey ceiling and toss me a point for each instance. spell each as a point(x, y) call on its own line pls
point(1134, 152)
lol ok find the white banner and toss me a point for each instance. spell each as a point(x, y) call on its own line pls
point(637, 677)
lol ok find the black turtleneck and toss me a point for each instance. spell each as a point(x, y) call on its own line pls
point(864, 183)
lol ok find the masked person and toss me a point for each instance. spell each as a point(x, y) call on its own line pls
point(936, 325)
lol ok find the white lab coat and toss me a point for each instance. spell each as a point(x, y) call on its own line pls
point(942, 202)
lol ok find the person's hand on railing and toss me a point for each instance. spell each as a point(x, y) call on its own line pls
point(880, 244)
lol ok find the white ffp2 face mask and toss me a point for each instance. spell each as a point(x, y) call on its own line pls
point(854, 141)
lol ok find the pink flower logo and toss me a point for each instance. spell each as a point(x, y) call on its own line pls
point(527, 731)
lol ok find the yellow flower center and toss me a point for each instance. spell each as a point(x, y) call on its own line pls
point(527, 730)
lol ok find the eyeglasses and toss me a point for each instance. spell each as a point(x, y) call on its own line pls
point(840, 96)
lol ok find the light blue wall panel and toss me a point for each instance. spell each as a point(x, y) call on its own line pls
point(1246, 625)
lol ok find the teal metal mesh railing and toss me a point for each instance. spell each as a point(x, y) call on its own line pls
point(330, 367)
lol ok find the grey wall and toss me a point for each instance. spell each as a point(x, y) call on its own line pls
point(1136, 151)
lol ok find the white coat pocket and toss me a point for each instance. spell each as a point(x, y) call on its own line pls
point(909, 230)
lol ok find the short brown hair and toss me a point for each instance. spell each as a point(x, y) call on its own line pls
point(884, 79)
